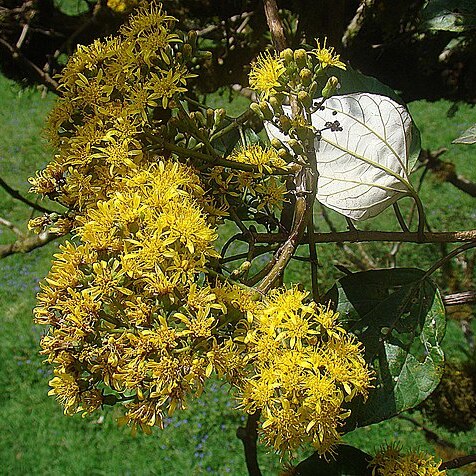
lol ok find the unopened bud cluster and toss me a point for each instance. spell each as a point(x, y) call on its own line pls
point(297, 78)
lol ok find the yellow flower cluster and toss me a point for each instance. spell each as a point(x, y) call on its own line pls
point(266, 73)
point(259, 189)
point(112, 92)
point(305, 368)
point(135, 313)
point(326, 56)
point(125, 310)
point(131, 318)
point(297, 70)
point(391, 461)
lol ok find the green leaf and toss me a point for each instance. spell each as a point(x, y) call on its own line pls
point(352, 81)
point(226, 143)
point(349, 461)
point(449, 15)
point(468, 136)
point(399, 316)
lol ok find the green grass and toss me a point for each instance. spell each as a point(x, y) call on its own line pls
point(37, 439)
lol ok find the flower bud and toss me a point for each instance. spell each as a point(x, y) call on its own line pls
point(305, 99)
point(304, 133)
point(330, 88)
point(255, 108)
point(187, 50)
point(296, 146)
point(210, 117)
point(241, 270)
point(300, 57)
point(205, 54)
point(285, 122)
point(219, 115)
point(287, 55)
point(198, 117)
point(306, 76)
point(192, 38)
point(275, 105)
point(276, 143)
point(284, 154)
point(265, 109)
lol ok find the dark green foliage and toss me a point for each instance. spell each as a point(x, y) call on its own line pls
point(348, 461)
point(399, 316)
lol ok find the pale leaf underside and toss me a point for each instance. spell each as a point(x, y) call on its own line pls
point(364, 167)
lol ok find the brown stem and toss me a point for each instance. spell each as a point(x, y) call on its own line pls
point(18, 56)
point(12, 227)
point(361, 236)
point(304, 179)
point(27, 244)
point(284, 254)
point(249, 436)
point(456, 299)
point(275, 24)
point(447, 171)
point(313, 261)
point(458, 462)
point(463, 184)
point(430, 435)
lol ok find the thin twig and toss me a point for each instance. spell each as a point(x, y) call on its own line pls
point(22, 37)
point(234, 216)
point(18, 56)
point(18, 196)
point(456, 299)
point(396, 247)
point(430, 435)
point(27, 244)
point(449, 256)
point(258, 251)
point(228, 243)
point(12, 227)
point(362, 236)
point(458, 462)
point(400, 218)
point(249, 436)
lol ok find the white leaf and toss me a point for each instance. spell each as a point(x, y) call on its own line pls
point(364, 167)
